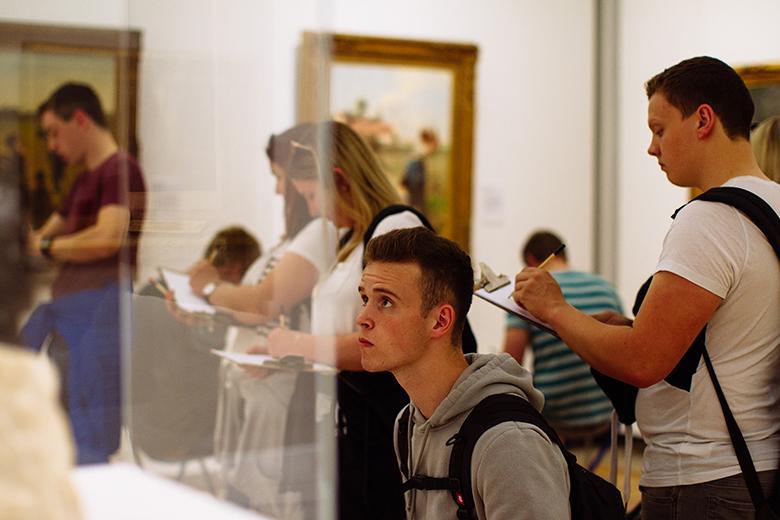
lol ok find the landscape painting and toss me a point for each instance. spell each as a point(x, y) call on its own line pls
point(413, 102)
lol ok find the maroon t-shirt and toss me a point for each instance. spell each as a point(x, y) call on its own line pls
point(118, 180)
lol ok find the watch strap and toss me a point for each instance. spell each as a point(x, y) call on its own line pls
point(44, 246)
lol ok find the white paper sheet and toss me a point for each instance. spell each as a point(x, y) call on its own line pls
point(502, 297)
point(266, 361)
point(185, 298)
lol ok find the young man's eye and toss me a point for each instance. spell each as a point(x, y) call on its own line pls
point(364, 299)
point(386, 302)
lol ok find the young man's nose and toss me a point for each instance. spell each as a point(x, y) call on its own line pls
point(363, 321)
point(652, 149)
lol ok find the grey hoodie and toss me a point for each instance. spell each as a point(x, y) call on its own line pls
point(517, 472)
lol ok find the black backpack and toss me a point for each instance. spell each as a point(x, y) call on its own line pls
point(623, 395)
point(590, 496)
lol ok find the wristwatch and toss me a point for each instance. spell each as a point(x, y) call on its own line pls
point(209, 289)
point(44, 246)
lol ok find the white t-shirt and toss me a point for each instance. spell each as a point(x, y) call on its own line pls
point(716, 247)
point(316, 243)
point(335, 302)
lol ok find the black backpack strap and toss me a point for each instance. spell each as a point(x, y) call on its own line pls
point(622, 395)
point(751, 205)
point(416, 481)
point(402, 439)
point(492, 410)
point(392, 210)
point(766, 219)
point(737, 441)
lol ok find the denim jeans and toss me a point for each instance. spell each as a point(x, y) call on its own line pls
point(725, 498)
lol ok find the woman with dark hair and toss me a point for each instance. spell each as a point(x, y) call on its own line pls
point(254, 410)
point(294, 265)
point(341, 179)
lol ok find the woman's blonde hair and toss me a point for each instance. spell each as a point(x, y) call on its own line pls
point(765, 140)
point(337, 149)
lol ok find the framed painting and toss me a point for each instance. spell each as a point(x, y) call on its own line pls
point(413, 102)
point(34, 61)
point(763, 81)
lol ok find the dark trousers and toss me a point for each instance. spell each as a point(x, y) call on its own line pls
point(725, 498)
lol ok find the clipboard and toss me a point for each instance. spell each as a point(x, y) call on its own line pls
point(498, 289)
point(285, 363)
point(186, 299)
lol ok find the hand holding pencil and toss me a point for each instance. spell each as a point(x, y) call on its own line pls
point(201, 274)
point(537, 291)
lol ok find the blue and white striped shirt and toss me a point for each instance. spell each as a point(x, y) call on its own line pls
point(572, 397)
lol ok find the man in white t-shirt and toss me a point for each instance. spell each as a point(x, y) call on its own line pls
point(716, 268)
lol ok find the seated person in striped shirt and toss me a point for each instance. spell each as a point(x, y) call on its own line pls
point(573, 403)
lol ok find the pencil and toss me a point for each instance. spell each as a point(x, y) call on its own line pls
point(213, 255)
point(552, 255)
point(160, 287)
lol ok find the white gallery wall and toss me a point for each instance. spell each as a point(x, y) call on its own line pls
point(653, 36)
point(534, 123)
point(217, 77)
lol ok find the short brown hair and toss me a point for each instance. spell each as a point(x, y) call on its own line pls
point(701, 80)
point(541, 244)
point(446, 272)
point(70, 97)
point(233, 244)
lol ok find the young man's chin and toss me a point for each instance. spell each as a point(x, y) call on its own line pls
point(370, 365)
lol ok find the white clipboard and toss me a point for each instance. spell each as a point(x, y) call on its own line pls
point(185, 298)
point(290, 363)
point(498, 289)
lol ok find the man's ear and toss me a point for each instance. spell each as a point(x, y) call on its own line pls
point(445, 320)
point(705, 121)
point(81, 117)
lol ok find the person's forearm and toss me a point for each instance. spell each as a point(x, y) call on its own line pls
point(342, 351)
point(288, 284)
point(54, 226)
point(245, 299)
point(616, 351)
point(85, 246)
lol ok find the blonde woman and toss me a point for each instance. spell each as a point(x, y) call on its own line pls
point(250, 436)
point(765, 139)
point(340, 178)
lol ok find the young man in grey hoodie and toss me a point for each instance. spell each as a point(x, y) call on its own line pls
point(416, 290)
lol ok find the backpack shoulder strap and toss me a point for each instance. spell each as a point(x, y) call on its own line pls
point(767, 220)
point(402, 439)
point(392, 210)
point(751, 205)
point(491, 411)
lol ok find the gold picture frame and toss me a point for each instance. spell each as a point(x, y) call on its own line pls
point(763, 81)
point(326, 57)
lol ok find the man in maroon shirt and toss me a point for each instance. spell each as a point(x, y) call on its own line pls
point(93, 238)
